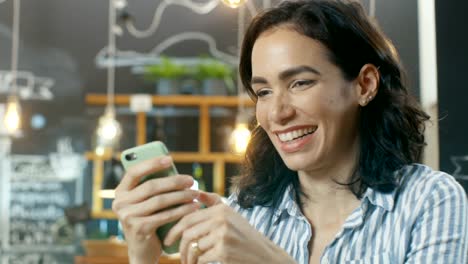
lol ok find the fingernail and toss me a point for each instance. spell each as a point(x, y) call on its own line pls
point(188, 181)
point(166, 160)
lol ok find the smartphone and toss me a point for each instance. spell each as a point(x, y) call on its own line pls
point(133, 156)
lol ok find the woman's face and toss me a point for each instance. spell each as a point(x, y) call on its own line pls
point(305, 105)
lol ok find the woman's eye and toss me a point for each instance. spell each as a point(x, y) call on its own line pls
point(302, 83)
point(262, 93)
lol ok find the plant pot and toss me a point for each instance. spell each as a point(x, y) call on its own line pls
point(214, 87)
point(189, 86)
point(167, 86)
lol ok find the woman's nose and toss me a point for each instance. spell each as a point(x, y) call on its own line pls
point(281, 110)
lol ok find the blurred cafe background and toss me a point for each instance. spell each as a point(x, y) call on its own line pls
point(81, 81)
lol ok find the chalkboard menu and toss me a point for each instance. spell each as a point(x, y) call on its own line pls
point(36, 258)
point(36, 229)
point(36, 213)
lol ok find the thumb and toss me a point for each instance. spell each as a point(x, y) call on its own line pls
point(209, 199)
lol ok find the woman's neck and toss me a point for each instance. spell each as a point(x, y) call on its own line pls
point(326, 199)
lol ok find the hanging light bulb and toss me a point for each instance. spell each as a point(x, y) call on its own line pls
point(240, 136)
point(120, 4)
point(234, 3)
point(100, 150)
point(109, 128)
point(12, 117)
point(108, 132)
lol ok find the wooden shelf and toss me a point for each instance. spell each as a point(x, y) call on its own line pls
point(176, 100)
point(203, 155)
point(103, 214)
point(186, 157)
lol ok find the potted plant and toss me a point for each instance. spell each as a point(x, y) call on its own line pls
point(167, 75)
point(216, 77)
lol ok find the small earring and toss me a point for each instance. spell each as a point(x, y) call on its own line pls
point(363, 102)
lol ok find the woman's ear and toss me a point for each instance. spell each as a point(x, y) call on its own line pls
point(367, 84)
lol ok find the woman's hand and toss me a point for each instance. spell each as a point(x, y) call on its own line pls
point(142, 208)
point(222, 236)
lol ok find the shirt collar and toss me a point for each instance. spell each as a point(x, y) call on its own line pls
point(385, 201)
point(287, 204)
point(380, 199)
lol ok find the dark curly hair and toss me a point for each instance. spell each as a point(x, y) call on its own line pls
point(391, 128)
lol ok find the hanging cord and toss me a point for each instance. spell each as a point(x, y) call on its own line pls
point(15, 45)
point(372, 8)
point(200, 8)
point(240, 36)
point(193, 35)
point(252, 9)
point(111, 54)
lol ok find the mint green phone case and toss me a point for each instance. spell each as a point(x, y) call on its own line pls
point(133, 156)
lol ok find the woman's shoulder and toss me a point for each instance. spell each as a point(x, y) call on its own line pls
point(431, 207)
point(418, 182)
point(423, 178)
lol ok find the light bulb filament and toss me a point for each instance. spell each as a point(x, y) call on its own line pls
point(12, 117)
point(240, 138)
point(234, 3)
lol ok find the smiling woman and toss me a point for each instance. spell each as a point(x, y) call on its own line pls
point(331, 173)
point(335, 68)
point(306, 92)
point(338, 137)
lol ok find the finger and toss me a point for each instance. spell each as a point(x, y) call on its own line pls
point(187, 222)
point(190, 256)
point(207, 242)
point(144, 226)
point(209, 199)
point(152, 188)
point(161, 185)
point(212, 255)
point(193, 235)
point(163, 201)
point(135, 173)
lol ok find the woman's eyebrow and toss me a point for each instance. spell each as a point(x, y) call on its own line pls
point(296, 70)
point(259, 80)
point(285, 74)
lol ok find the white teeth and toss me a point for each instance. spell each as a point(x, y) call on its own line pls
point(295, 134)
point(285, 136)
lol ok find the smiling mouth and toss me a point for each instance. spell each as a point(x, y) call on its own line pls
point(295, 134)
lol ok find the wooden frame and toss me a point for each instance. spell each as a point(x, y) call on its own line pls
point(203, 155)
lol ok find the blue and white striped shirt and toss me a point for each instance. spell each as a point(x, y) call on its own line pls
point(424, 220)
